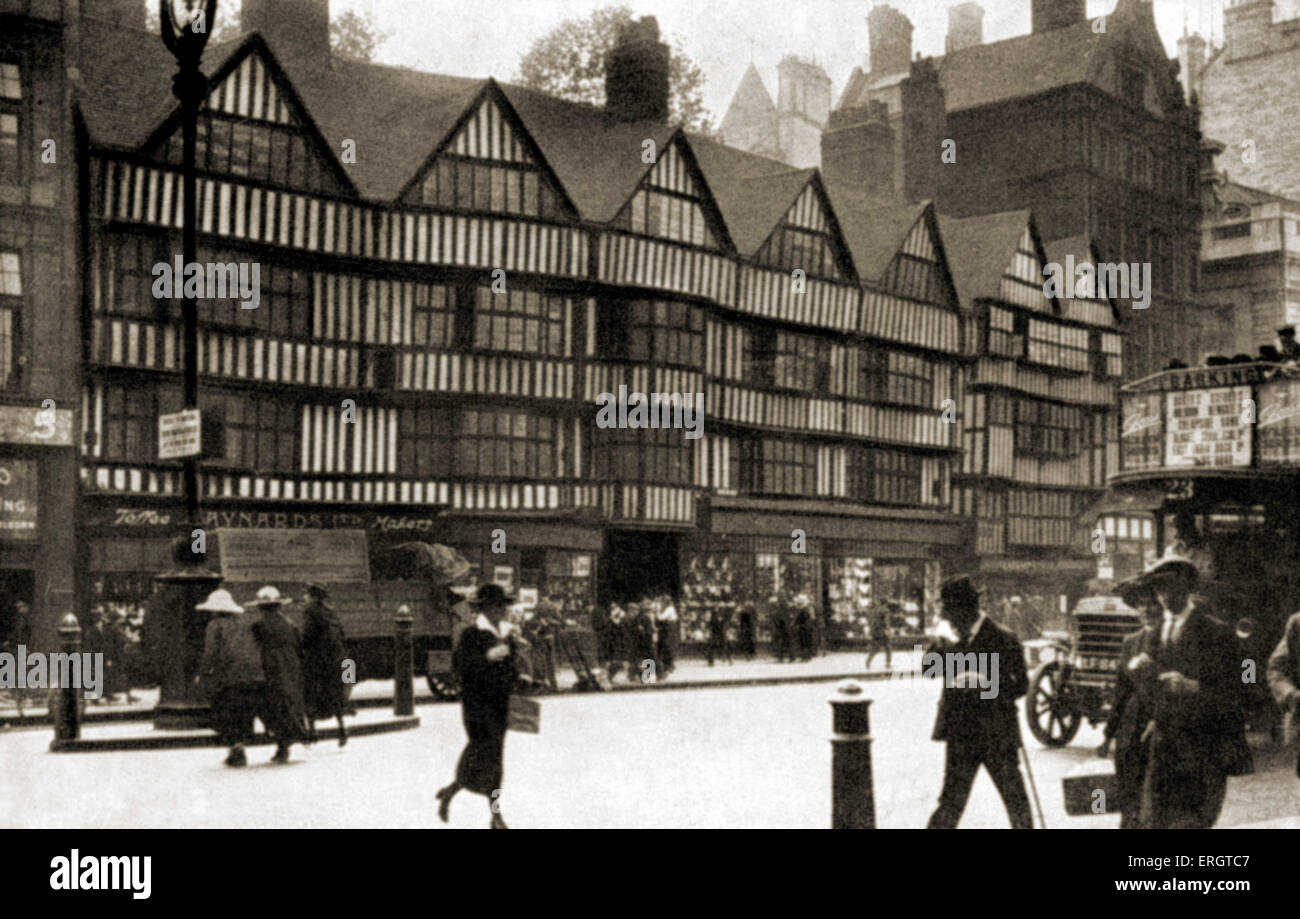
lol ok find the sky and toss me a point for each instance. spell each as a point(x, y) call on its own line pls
point(480, 38)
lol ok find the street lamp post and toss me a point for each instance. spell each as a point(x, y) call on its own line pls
point(185, 32)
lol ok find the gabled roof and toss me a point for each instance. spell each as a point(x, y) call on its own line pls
point(126, 81)
point(1020, 66)
point(1084, 250)
point(874, 229)
point(753, 192)
point(597, 160)
point(980, 249)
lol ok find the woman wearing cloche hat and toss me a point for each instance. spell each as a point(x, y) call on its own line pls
point(230, 672)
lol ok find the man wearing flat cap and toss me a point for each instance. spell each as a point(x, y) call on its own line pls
point(977, 716)
point(1199, 737)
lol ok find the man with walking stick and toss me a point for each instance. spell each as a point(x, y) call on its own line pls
point(984, 674)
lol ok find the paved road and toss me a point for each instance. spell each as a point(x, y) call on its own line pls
point(736, 757)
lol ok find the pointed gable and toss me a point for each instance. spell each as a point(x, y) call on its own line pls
point(489, 163)
point(750, 121)
point(995, 257)
point(253, 125)
point(807, 236)
point(672, 201)
point(1022, 281)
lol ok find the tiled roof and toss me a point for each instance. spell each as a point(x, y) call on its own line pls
point(980, 249)
point(753, 192)
point(985, 74)
point(874, 229)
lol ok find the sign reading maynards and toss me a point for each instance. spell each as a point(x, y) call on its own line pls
point(262, 520)
point(1278, 438)
point(297, 556)
point(1142, 432)
point(1206, 427)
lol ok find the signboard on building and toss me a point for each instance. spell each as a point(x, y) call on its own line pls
point(1278, 436)
point(18, 496)
point(22, 424)
point(1142, 432)
point(1206, 428)
point(179, 434)
point(294, 556)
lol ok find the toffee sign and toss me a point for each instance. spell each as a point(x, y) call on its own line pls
point(180, 434)
point(1204, 428)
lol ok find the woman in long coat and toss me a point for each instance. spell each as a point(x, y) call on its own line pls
point(485, 664)
point(284, 712)
point(323, 653)
point(230, 673)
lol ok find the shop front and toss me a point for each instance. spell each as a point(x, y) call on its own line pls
point(764, 557)
point(1033, 595)
point(37, 524)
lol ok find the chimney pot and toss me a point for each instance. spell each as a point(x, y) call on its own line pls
point(294, 28)
point(889, 34)
point(965, 27)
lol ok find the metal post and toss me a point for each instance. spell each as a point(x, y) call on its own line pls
point(853, 805)
point(67, 706)
point(403, 663)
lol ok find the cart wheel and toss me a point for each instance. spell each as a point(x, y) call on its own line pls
point(1051, 712)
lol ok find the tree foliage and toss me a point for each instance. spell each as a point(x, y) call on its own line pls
point(569, 62)
point(353, 36)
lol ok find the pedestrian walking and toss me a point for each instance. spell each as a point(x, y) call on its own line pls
point(615, 633)
point(94, 641)
point(1199, 737)
point(1284, 680)
point(323, 653)
point(486, 667)
point(979, 731)
point(719, 646)
point(781, 632)
point(878, 624)
point(668, 626)
point(803, 632)
point(748, 633)
point(1128, 730)
point(231, 676)
point(647, 641)
point(284, 712)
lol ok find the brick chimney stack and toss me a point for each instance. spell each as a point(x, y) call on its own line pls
point(1057, 14)
point(965, 27)
point(636, 74)
point(1246, 27)
point(858, 149)
point(294, 28)
point(923, 128)
point(889, 33)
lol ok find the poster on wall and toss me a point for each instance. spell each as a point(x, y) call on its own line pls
point(1205, 428)
point(1278, 436)
point(18, 495)
point(1142, 432)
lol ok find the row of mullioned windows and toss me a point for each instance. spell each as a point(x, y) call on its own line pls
point(490, 185)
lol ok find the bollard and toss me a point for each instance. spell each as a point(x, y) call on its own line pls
point(67, 706)
point(403, 663)
point(853, 805)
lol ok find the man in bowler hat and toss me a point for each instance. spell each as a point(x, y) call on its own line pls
point(979, 725)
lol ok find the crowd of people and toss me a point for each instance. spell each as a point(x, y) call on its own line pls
point(637, 634)
point(258, 664)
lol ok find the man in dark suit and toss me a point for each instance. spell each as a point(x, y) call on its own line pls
point(984, 674)
point(1129, 727)
point(1284, 676)
point(284, 711)
point(1199, 734)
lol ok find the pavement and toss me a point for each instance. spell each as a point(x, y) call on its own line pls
point(691, 673)
point(737, 756)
